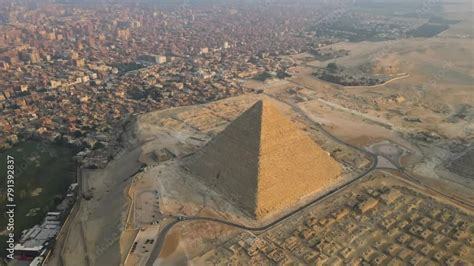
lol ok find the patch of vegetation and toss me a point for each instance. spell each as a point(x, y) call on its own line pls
point(43, 172)
point(328, 54)
point(440, 20)
point(271, 75)
point(409, 9)
point(140, 93)
point(263, 76)
point(126, 67)
point(428, 30)
point(344, 30)
point(283, 75)
point(348, 77)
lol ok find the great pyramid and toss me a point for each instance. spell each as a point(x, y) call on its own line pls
point(262, 162)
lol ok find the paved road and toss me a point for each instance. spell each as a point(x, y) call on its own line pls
point(376, 120)
point(162, 236)
point(374, 159)
point(399, 168)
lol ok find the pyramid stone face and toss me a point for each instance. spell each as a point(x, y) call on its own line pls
point(263, 163)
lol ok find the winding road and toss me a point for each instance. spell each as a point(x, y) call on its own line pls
point(374, 163)
point(181, 219)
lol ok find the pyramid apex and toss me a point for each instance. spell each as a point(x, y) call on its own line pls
point(264, 104)
point(262, 162)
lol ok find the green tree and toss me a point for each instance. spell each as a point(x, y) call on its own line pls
point(331, 67)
